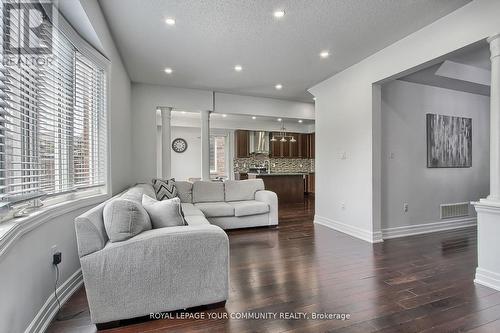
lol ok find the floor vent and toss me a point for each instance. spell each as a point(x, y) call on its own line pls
point(454, 210)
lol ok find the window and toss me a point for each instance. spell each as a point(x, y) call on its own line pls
point(218, 156)
point(52, 119)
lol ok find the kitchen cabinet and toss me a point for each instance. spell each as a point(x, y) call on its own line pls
point(309, 185)
point(294, 146)
point(242, 143)
point(289, 187)
point(274, 146)
point(303, 145)
point(286, 149)
point(312, 145)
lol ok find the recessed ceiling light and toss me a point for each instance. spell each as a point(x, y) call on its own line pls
point(279, 13)
point(170, 21)
point(224, 115)
point(279, 119)
point(183, 112)
point(324, 54)
point(314, 98)
point(254, 117)
point(238, 68)
point(279, 86)
point(300, 121)
point(168, 70)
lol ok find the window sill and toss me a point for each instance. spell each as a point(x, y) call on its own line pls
point(13, 229)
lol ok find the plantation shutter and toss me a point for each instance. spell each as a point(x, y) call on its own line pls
point(52, 119)
point(90, 124)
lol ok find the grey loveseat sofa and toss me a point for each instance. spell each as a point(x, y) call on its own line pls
point(169, 268)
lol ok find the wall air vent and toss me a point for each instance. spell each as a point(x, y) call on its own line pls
point(454, 210)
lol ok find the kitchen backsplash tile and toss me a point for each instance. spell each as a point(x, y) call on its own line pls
point(277, 164)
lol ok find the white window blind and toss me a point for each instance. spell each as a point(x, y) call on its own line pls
point(52, 120)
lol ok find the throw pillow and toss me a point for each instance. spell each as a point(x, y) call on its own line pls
point(164, 213)
point(123, 219)
point(165, 188)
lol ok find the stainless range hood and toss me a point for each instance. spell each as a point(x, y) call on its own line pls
point(259, 142)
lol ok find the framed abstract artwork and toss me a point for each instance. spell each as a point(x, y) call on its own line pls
point(449, 141)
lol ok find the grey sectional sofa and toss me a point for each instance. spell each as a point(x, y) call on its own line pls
point(230, 205)
point(169, 268)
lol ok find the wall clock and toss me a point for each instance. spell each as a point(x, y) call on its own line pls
point(179, 145)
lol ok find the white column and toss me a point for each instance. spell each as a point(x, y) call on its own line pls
point(159, 144)
point(205, 144)
point(166, 141)
point(488, 210)
point(495, 119)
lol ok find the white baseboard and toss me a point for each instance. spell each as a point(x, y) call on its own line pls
point(49, 309)
point(419, 229)
point(487, 278)
point(366, 235)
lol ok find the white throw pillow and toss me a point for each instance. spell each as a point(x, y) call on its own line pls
point(163, 213)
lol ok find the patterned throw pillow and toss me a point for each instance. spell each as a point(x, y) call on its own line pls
point(165, 188)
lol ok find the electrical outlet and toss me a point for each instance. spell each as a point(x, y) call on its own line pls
point(342, 205)
point(56, 258)
point(391, 155)
point(405, 207)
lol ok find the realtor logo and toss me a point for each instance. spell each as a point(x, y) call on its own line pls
point(27, 28)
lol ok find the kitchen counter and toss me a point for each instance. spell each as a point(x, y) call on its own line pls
point(279, 174)
point(288, 186)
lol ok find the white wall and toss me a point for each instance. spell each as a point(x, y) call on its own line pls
point(405, 176)
point(347, 116)
point(27, 276)
point(146, 98)
point(187, 164)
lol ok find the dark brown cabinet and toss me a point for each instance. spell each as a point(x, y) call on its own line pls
point(294, 146)
point(309, 182)
point(312, 145)
point(303, 145)
point(274, 146)
point(242, 143)
point(285, 149)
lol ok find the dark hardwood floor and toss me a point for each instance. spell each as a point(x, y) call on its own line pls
point(414, 284)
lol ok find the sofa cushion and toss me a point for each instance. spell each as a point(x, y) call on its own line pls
point(163, 213)
point(184, 191)
point(204, 191)
point(238, 190)
point(249, 207)
point(190, 210)
point(164, 188)
point(215, 209)
point(123, 219)
point(196, 220)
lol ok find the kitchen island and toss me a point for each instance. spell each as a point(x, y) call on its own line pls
point(288, 186)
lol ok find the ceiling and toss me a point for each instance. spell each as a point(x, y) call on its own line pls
point(467, 71)
point(210, 37)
